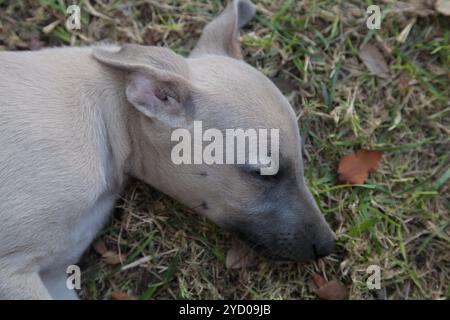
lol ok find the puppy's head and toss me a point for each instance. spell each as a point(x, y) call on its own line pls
point(275, 212)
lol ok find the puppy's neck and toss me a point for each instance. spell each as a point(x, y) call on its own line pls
point(111, 110)
point(137, 144)
point(149, 141)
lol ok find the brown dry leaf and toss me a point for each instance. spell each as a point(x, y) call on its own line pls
point(355, 168)
point(100, 247)
point(239, 256)
point(111, 257)
point(318, 280)
point(374, 61)
point(118, 295)
point(328, 290)
point(443, 7)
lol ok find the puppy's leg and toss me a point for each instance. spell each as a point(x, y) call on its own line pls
point(22, 287)
point(56, 283)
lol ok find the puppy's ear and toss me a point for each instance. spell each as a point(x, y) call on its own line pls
point(157, 82)
point(220, 36)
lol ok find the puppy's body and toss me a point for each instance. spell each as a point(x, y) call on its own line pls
point(75, 122)
point(63, 127)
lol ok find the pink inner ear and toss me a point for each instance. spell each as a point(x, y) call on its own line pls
point(141, 91)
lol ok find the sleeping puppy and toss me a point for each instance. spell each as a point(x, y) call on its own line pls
point(76, 122)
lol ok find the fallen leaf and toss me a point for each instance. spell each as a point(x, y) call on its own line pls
point(355, 168)
point(100, 247)
point(328, 290)
point(239, 256)
point(318, 280)
point(443, 7)
point(111, 257)
point(118, 295)
point(374, 61)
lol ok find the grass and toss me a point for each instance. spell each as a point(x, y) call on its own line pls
point(399, 219)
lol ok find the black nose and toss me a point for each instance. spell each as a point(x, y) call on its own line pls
point(323, 249)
